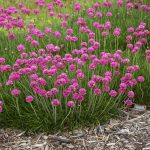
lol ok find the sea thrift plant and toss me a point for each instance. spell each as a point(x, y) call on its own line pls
point(64, 64)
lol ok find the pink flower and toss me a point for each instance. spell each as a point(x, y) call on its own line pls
point(55, 102)
point(71, 104)
point(98, 14)
point(34, 43)
point(1, 109)
point(108, 14)
point(36, 11)
point(117, 73)
point(51, 13)
point(2, 60)
point(123, 86)
point(23, 55)
point(128, 76)
point(48, 30)
point(129, 5)
point(21, 48)
point(15, 92)
point(148, 58)
point(116, 32)
point(1, 103)
point(80, 75)
point(130, 30)
point(147, 52)
point(113, 93)
point(29, 38)
point(82, 91)
point(91, 84)
point(77, 7)
point(29, 99)
point(66, 92)
point(1, 85)
point(96, 5)
point(97, 91)
point(57, 34)
point(140, 79)
point(119, 2)
point(12, 36)
point(128, 102)
point(90, 10)
point(105, 33)
point(106, 88)
point(131, 94)
point(130, 46)
point(30, 26)
point(64, 23)
point(69, 31)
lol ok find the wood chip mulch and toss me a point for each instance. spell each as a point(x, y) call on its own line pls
point(130, 133)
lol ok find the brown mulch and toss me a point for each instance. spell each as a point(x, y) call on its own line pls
point(132, 132)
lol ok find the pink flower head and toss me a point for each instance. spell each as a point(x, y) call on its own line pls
point(71, 104)
point(96, 5)
point(130, 46)
point(30, 26)
point(147, 52)
point(36, 11)
point(48, 30)
point(80, 75)
point(108, 14)
point(72, 67)
point(91, 84)
point(23, 55)
point(119, 2)
point(97, 91)
point(107, 25)
point(130, 30)
point(131, 94)
point(64, 23)
point(55, 102)
point(57, 34)
point(15, 92)
point(1, 103)
point(34, 43)
point(117, 72)
point(21, 48)
point(2, 60)
point(1, 109)
point(82, 91)
point(113, 93)
point(128, 102)
point(98, 14)
point(106, 88)
point(77, 6)
point(140, 79)
point(1, 85)
point(69, 31)
point(67, 92)
point(105, 33)
point(12, 36)
point(29, 99)
point(148, 58)
point(51, 13)
point(123, 86)
point(116, 32)
point(129, 5)
point(29, 38)
point(128, 76)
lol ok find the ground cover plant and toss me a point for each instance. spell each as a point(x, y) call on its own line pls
point(67, 64)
